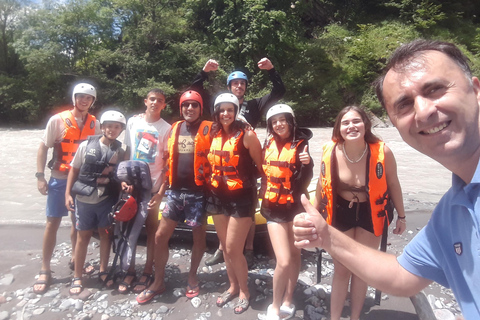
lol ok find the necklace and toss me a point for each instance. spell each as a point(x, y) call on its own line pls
point(358, 160)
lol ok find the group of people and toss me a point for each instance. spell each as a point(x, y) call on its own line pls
point(211, 168)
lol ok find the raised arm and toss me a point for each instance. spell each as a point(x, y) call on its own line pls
point(378, 269)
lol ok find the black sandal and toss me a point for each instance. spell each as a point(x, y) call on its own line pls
point(146, 283)
point(46, 282)
point(107, 282)
point(124, 283)
point(74, 285)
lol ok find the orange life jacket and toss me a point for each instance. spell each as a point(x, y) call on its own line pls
point(376, 182)
point(279, 169)
point(64, 151)
point(202, 147)
point(224, 162)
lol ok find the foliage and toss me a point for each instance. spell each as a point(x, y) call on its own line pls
point(328, 52)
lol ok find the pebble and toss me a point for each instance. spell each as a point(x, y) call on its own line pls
point(443, 314)
point(4, 315)
point(7, 280)
point(196, 302)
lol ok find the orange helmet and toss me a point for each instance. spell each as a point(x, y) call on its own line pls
point(191, 95)
point(125, 209)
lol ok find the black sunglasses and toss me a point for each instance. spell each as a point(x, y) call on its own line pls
point(194, 104)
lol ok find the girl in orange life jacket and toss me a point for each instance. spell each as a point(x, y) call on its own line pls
point(234, 152)
point(288, 170)
point(357, 171)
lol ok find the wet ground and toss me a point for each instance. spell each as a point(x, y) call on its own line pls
point(22, 219)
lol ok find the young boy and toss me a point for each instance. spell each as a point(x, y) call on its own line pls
point(64, 132)
point(146, 139)
point(91, 180)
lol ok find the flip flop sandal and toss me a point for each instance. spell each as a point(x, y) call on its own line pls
point(243, 304)
point(145, 284)
point(192, 291)
point(148, 295)
point(106, 280)
point(225, 298)
point(45, 282)
point(127, 285)
point(74, 285)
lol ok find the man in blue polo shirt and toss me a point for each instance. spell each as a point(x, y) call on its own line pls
point(433, 100)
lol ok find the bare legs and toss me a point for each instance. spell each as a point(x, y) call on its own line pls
point(288, 264)
point(342, 276)
point(232, 231)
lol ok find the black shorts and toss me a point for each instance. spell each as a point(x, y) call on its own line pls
point(280, 213)
point(238, 204)
point(346, 218)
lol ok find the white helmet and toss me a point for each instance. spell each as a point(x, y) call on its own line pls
point(85, 88)
point(227, 97)
point(279, 108)
point(113, 116)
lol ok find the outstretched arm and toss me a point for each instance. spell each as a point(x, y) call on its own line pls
point(378, 269)
point(278, 88)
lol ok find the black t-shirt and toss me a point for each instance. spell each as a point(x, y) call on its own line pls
point(185, 175)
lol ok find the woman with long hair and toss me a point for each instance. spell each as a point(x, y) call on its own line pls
point(288, 171)
point(358, 181)
point(234, 153)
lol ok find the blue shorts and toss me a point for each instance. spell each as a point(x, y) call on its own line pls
point(93, 216)
point(185, 206)
point(56, 198)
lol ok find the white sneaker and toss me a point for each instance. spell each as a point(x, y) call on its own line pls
point(287, 312)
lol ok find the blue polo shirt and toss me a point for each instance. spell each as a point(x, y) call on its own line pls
point(447, 250)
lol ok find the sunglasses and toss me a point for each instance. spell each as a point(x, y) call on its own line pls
point(193, 104)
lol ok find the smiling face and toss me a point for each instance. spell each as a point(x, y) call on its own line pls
point(435, 107)
point(83, 101)
point(155, 103)
point(280, 126)
point(190, 110)
point(111, 129)
point(352, 126)
point(238, 88)
point(226, 114)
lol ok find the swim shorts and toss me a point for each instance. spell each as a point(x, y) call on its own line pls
point(56, 198)
point(185, 206)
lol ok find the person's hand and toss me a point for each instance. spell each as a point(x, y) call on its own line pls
point(309, 228)
point(400, 226)
point(265, 64)
point(211, 65)
point(42, 186)
point(126, 187)
point(304, 156)
point(69, 203)
point(156, 198)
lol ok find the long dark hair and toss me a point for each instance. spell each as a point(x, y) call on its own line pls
point(217, 126)
point(369, 136)
point(291, 123)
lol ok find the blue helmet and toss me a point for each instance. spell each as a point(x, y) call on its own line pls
point(236, 75)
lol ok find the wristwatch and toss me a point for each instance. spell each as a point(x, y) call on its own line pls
point(39, 175)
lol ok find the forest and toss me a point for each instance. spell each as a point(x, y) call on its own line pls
point(328, 52)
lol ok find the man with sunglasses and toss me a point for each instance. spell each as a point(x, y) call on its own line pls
point(188, 146)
